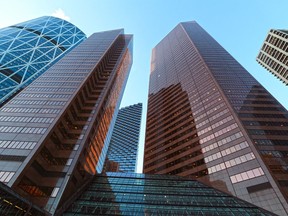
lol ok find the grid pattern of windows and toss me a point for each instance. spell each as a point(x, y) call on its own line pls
point(38, 102)
point(29, 110)
point(28, 130)
point(68, 124)
point(17, 144)
point(222, 142)
point(247, 175)
point(138, 194)
point(248, 103)
point(173, 139)
point(227, 151)
point(6, 176)
point(230, 163)
point(208, 116)
point(273, 54)
point(37, 95)
point(123, 146)
point(25, 119)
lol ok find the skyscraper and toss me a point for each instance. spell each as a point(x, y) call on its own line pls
point(28, 49)
point(208, 118)
point(55, 132)
point(123, 147)
point(273, 54)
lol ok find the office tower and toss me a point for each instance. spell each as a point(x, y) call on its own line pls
point(123, 147)
point(144, 194)
point(273, 54)
point(28, 49)
point(55, 132)
point(208, 118)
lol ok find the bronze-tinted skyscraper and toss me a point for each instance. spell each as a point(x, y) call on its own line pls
point(208, 118)
point(53, 135)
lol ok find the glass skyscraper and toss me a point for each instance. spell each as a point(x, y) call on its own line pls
point(144, 194)
point(54, 133)
point(208, 118)
point(28, 49)
point(273, 54)
point(123, 147)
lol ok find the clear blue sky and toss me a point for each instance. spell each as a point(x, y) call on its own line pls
point(239, 26)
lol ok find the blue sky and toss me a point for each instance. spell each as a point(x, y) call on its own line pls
point(239, 26)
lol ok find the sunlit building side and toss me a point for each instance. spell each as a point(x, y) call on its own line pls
point(55, 133)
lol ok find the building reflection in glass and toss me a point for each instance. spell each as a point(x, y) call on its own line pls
point(199, 92)
point(139, 194)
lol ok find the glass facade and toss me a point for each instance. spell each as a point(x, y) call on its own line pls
point(123, 147)
point(12, 204)
point(273, 54)
point(144, 194)
point(54, 131)
point(28, 49)
point(208, 118)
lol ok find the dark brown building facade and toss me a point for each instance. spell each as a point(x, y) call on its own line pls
point(54, 132)
point(208, 118)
